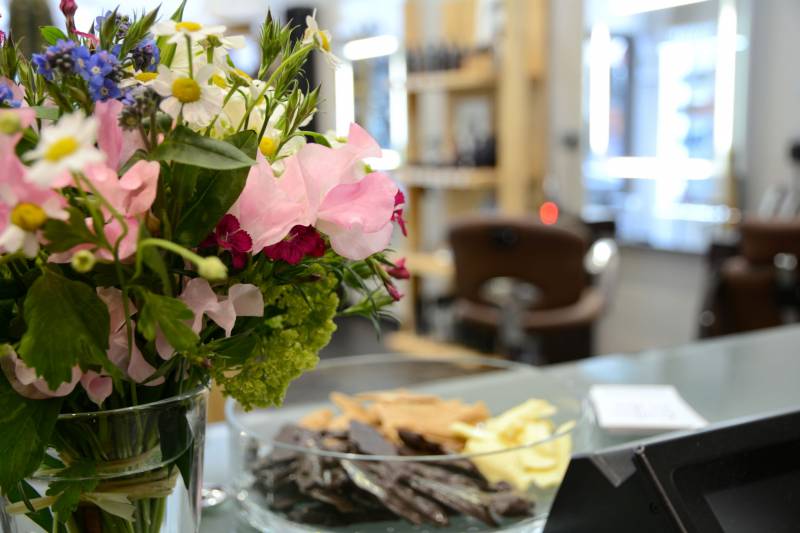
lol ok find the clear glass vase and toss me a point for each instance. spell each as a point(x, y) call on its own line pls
point(139, 470)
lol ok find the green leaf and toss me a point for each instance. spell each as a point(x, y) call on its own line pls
point(64, 235)
point(215, 192)
point(51, 34)
point(67, 325)
point(177, 441)
point(25, 429)
point(183, 183)
point(23, 491)
point(178, 15)
point(168, 315)
point(47, 113)
point(190, 148)
point(69, 493)
point(152, 258)
point(138, 31)
point(236, 349)
point(318, 137)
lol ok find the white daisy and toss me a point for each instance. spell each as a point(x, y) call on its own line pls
point(194, 97)
point(32, 207)
point(177, 31)
point(320, 38)
point(64, 147)
point(138, 78)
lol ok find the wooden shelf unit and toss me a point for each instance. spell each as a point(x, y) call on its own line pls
point(516, 84)
point(451, 80)
point(449, 177)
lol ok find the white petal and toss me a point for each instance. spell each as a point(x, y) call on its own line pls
point(165, 27)
point(12, 238)
point(171, 106)
point(202, 76)
point(30, 245)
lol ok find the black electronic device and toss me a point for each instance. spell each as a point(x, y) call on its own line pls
point(741, 477)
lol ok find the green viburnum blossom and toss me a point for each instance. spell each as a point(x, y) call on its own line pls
point(287, 347)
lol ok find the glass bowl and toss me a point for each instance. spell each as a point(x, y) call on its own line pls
point(274, 470)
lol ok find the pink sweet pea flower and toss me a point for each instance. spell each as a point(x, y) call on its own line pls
point(357, 217)
point(97, 386)
point(242, 300)
point(302, 241)
point(269, 207)
point(118, 145)
point(133, 364)
point(24, 381)
point(132, 194)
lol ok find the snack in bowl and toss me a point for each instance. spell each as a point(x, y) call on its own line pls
point(334, 489)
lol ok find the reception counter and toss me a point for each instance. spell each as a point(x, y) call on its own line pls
point(722, 379)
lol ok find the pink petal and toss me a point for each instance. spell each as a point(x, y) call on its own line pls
point(140, 184)
point(361, 143)
point(247, 299)
point(224, 314)
point(127, 247)
point(107, 183)
point(139, 369)
point(199, 297)
point(109, 132)
point(97, 386)
point(112, 297)
point(269, 207)
point(354, 243)
point(24, 381)
point(368, 203)
point(163, 347)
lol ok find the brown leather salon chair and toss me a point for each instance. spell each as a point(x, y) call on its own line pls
point(758, 286)
point(542, 279)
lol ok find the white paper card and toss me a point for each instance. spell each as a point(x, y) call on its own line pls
point(643, 409)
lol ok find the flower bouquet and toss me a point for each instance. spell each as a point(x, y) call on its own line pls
point(165, 221)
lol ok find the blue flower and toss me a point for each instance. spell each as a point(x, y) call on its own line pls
point(56, 59)
point(146, 56)
point(102, 89)
point(123, 21)
point(101, 64)
point(7, 96)
point(81, 57)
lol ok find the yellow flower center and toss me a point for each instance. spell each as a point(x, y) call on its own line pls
point(186, 90)
point(243, 74)
point(324, 41)
point(268, 146)
point(29, 217)
point(219, 81)
point(144, 77)
point(62, 148)
point(188, 26)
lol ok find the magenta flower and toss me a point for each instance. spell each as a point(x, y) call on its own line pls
point(302, 241)
point(397, 216)
point(68, 7)
point(399, 270)
point(230, 236)
point(393, 292)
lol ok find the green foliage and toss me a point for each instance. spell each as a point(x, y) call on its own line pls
point(22, 491)
point(185, 146)
point(213, 193)
point(168, 315)
point(67, 325)
point(64, 235)
point(273, 39)
point(22, 448)
point(300, 324)
point(137, 31)
point(79, 479)
point(51, 34)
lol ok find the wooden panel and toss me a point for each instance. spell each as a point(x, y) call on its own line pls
point(452, 80)
point(450, 177)
point(537, 37)
point(414, 10)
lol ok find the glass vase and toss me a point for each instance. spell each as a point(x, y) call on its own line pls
point(138, 470)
